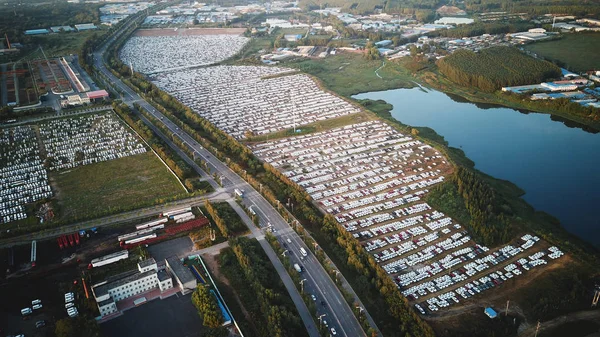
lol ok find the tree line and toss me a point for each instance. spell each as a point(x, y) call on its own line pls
point(207, 307)
point(182, 170)
point(488, 221)
point(495, 67)
point(260, 289)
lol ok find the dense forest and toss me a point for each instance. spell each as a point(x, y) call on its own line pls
point(480, 28)
point(17, 19)
point(537, 7)
point(260, 289)
point(496, 67)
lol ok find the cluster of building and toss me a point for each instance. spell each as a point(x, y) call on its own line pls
point(152, 54)
point(148, 277)
point(186, 13)
point(573, 87)
point(111, 14)
point(243, 100)
point(86, 140)
point(60, 29)
point(23, 178)
point(372, 179)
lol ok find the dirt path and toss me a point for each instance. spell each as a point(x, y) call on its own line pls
point(593, 315)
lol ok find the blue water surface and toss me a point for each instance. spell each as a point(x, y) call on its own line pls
point(558, 166)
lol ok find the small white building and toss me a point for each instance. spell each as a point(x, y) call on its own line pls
point(107, 294)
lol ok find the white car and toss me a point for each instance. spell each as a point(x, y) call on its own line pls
point(314, 298)
point(333, 332)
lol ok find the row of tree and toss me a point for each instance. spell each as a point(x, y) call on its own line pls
point(206, 303)
point(263, 294)
point(488, 213)
point(496, 67)
point(174, 162)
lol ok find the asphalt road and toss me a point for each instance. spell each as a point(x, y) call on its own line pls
point(318, 282)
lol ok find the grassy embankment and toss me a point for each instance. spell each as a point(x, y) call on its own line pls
point(577, 52)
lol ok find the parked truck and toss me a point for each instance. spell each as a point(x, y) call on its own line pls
point(297, 267)
point(239, 193)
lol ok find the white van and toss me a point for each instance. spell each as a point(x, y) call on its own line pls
point(26, 311)
point(34, 302)
point(303, 251)
point(37, 306)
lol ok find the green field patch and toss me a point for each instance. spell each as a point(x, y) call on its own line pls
point(349, 73)
point(577, 51)
point(113, 186)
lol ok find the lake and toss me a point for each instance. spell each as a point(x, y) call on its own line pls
point(558, 166)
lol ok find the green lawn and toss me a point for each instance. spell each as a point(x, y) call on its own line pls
point(576, 51)
point(350, 73)
point(113, 186)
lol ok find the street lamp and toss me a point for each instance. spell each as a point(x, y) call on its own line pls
point(302, 286)
point(337, 272)
point(285, 251)
point(320, 321)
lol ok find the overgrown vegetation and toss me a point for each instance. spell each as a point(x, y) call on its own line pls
point(207, 307)
point(225, 217)
point(483, 212)
point(495, 67)
point(260, 289)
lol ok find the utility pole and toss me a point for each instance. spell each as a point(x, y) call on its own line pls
point(302, 286)
point(337, 272)
point(537, 328)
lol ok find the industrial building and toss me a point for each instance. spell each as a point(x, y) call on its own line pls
point(107, 294)
point(85, 26)
point(184, 277)
point(37, 31)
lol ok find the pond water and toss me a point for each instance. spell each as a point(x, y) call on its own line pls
point(555, 162)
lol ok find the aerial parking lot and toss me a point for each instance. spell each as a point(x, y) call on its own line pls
point(73, 161)
point(23, 178)
point(87, 139)
point(253, 100)
point(373, 180)
point(152, 54)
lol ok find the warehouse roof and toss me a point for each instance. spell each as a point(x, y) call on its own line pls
point(182, 273)
point(97, 94)
point(103, 289)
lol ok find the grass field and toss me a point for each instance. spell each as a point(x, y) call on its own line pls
point(113, 186)
point(65, 43)
point(577, 52)
point(349, 73)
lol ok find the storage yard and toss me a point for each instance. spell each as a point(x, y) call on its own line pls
point(241, 99)
point(87, 139)
point(23, 178)
point(152, 54)
point(372, 179)
point(28, 153)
